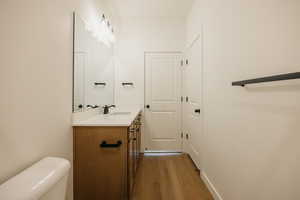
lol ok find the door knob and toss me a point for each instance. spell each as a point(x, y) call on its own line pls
point(198, 111)
point(148, 106)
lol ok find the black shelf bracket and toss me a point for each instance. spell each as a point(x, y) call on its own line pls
point(280, 77)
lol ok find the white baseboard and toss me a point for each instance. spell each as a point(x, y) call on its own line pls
point(210, 186)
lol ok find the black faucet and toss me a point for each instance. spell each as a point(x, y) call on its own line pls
point(106, 108)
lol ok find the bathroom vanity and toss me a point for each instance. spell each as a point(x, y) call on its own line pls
point(106, 146)
point(106, 155)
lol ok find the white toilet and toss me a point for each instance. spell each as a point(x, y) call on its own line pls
point(45, 180)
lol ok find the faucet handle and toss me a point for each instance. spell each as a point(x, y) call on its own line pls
point(106, 108)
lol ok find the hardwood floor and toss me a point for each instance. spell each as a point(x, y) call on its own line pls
point(169, 178)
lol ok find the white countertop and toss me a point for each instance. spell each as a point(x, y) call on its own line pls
point(117, 117)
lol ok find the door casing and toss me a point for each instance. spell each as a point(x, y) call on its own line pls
point(158, 109)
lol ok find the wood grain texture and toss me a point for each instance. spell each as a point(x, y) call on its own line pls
point(106, 171)
point(100, 173)
point(169, 178)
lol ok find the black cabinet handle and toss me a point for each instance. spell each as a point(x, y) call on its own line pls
point(198, 111)
point(105, 145)
point(148, 106)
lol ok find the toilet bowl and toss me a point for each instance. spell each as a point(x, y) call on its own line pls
point(45, 180)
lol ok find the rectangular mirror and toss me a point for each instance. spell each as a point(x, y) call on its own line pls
point(94, 70)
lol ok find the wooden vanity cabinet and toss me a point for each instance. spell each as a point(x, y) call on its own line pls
point(134, 146)
point(106, 161)
point(131, 161)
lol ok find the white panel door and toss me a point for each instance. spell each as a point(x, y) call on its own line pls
point(163, 105)
point(192, 91)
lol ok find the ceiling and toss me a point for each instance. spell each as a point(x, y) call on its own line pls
point(151, 8)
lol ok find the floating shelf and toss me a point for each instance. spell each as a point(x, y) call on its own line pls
point(280, 77)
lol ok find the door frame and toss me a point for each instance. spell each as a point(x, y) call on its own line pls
point(145, 136)
point(185, 147)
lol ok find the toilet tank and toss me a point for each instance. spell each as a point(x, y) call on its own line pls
point(45, 180)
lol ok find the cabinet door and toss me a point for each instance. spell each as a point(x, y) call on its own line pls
point(139, 136)
point(131, 160)
point(135, 151)
point(100, 171)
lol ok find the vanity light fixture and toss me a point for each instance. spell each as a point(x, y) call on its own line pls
point(102, 31)
point(107, 35)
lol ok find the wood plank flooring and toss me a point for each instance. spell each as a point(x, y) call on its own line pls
point(169, 178)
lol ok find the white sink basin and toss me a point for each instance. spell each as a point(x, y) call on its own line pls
point(121, 113)
point(122, 117)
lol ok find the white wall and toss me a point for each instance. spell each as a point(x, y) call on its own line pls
point(36, 80)
point(137, 36)
point(251, 138)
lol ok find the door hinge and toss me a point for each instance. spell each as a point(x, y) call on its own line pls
point(187, 136)
point(181, 62)
point(187, 99)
